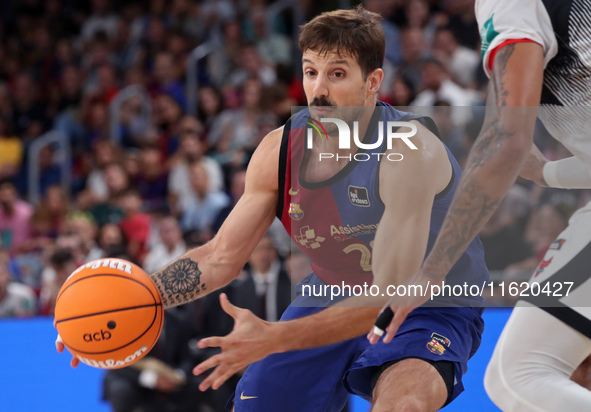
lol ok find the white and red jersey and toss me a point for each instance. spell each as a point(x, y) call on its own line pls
point(563, 29)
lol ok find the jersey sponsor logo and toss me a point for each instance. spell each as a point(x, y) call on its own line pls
point(543, 265)
point(243, 397)
point(358, 196)
point(557, 244)
point(438, 344)
point(295, 211)
point(293, 192)
point(341, 233)
point(308, 238)
point(487, 35)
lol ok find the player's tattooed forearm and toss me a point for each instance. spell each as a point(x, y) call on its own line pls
point(179, 282)
point(499, 72)
point(472, 207)
point(466, 215)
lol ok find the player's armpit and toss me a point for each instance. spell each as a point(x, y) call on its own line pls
point(218, 262)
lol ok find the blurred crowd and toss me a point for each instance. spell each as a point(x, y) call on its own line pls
point(144, 178)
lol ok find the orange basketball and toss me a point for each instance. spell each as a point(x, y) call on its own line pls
point(109, 313)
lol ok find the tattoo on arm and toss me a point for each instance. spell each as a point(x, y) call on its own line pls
point(179, 282)
point(472, 207)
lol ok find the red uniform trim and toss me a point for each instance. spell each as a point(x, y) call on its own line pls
point(494, 51)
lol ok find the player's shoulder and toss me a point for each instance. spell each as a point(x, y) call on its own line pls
point(263, 169)
point(423, 146)
point(272, 141)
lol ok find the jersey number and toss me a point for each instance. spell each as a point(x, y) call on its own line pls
point(365, 260)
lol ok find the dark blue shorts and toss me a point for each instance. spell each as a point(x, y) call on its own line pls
point(321, 379)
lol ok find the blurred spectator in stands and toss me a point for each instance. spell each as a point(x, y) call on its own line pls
point(437, 86)
point(251, 65)
point(110, 237)
point(166, 78)
point(15, 218)
point(50, 214)
point(108, 210)
point(135, 224)
point(239, 127)
point(67, 95)
point(449, 134)
point(200, 211)
point(274, 48)
point(105, 153)
point(65, 55)
point(96, 123)
point(391, 31)
point(503, 242)
point(170, 246)
point(162, 381)
point(414, 52)
point(50, 173)
point(11, 150)
point(222, 59)
point(106, 88)
point(191, 149)
point(462, 21)
point(16, 299)
point(61, 265)
point(461, 62)
point(418, 16)
point(98, 53)
point(133, 124)
point(82, 226)
point(29, 113)
point(264, 286)
point(167, 113)
point(402, 93)
point(209, 110)
point(102, 19)
point(544, 226)
point(297, 265)
point(152, 179)
point(237, 184)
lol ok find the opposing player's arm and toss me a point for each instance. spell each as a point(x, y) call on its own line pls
point(497, 155)
point(218, 262)
point(569, 173)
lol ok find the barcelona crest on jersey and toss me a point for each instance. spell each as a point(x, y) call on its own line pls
point(295, 211)
point(438, 344)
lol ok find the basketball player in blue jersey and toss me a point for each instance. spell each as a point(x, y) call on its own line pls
point(536, 53)
point(375, 221)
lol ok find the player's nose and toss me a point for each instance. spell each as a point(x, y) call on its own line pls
point(321, 87)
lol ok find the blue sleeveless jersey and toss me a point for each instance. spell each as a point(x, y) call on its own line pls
point(334, 222)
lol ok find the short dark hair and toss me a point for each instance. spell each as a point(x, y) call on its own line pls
point(60, 257)
point(356, 32)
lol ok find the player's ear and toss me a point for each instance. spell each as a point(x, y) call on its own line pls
point(374, 81)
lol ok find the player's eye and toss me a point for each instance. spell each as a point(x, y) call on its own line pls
point(339, 74)
point(310, 73)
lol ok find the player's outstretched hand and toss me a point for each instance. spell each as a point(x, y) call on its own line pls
point(402, 305)
point(251, 340)
point(59, 346)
